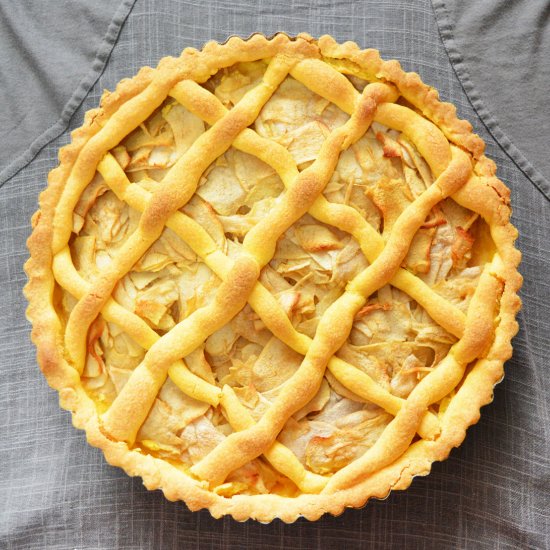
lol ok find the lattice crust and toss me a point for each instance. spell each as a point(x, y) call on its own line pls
point(274, 278)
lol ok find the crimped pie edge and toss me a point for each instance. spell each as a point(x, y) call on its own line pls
point(492, 202)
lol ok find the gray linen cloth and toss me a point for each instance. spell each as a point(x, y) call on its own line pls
point(57, 492)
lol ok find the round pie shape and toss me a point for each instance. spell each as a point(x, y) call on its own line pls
point(274, 277)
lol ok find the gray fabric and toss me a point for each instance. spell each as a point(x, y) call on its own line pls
point(501, 52)
point(57, 492)
point(52, 53)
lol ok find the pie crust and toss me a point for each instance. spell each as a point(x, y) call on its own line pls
point(274, 277)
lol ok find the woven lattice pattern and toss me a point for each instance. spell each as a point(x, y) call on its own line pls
point(446, 146)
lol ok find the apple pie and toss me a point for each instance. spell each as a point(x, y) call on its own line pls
point(274, 277)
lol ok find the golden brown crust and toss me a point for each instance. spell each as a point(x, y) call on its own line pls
point(455, 156)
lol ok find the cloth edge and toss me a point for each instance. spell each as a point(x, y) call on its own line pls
point(487, 118)
point(78, 96)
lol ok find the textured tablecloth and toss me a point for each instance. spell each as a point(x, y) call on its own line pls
point(57, 492)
